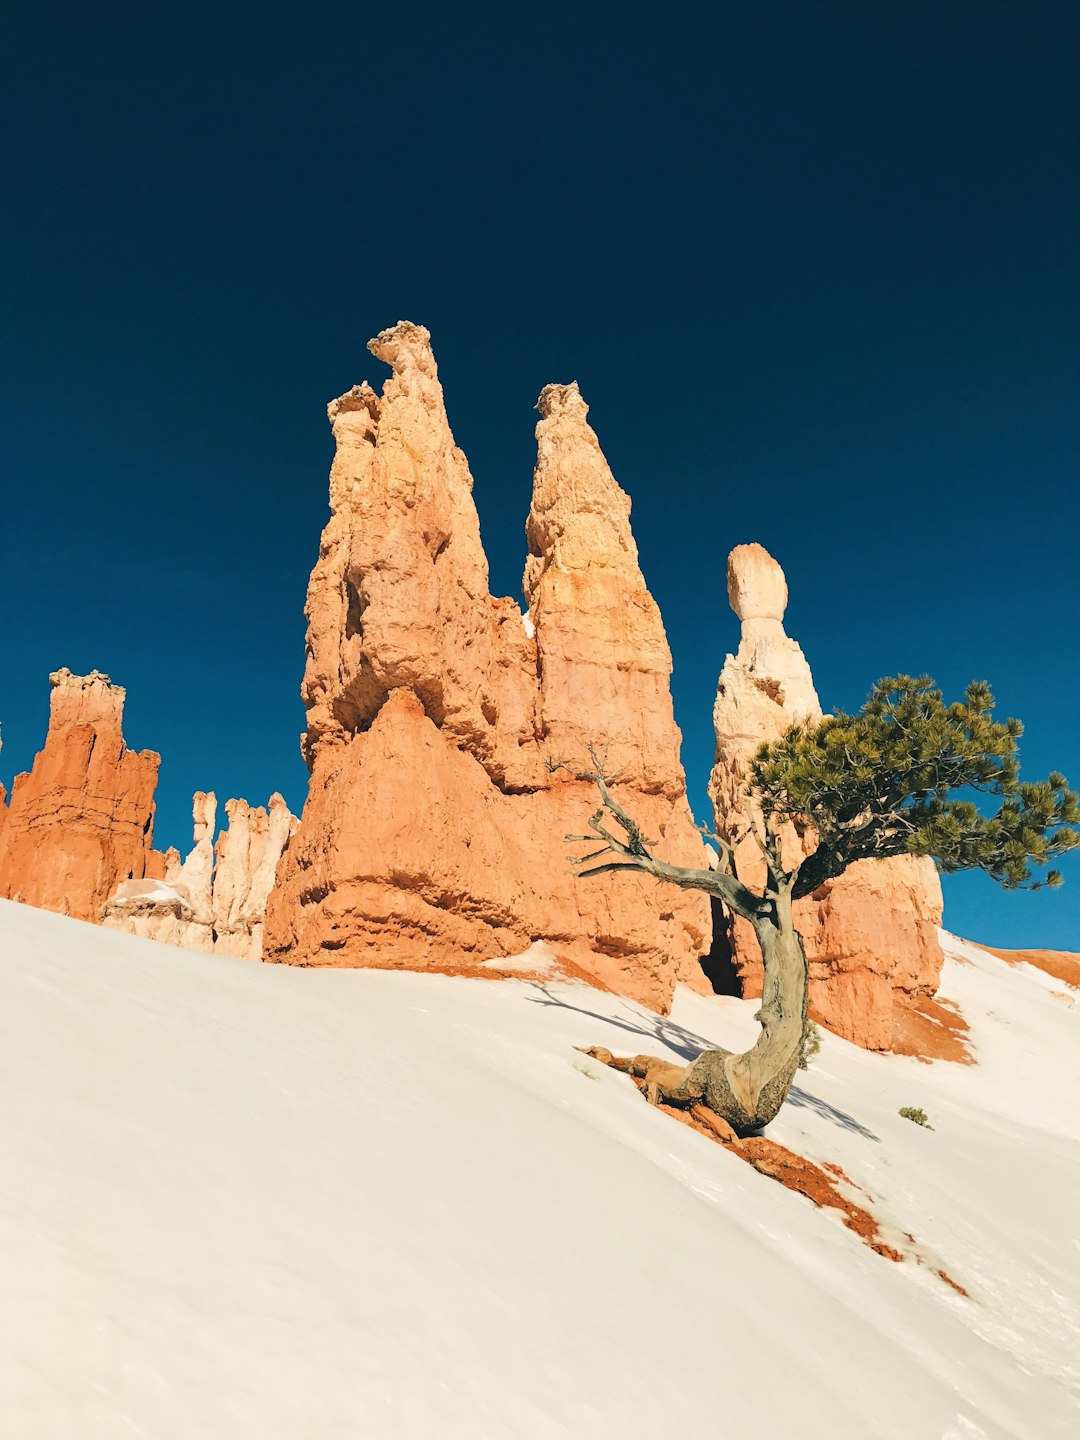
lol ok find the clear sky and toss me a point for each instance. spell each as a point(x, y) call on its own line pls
point(815, 267)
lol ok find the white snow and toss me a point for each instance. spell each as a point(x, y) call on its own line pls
point(243, 1202)
point(141, 893)
point(539, 959)
point(528, 624)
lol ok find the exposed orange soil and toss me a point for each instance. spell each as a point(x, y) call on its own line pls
point(560, 968)
point(798, 1174)
point(1061, 964)
point(930, 1029)
point(819, 1183)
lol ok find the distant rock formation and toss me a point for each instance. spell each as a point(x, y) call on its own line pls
point(215, 900)
point(248, 852)
point(871, 935)
point(82, 819)
point(1062, 965)
point(445, 729)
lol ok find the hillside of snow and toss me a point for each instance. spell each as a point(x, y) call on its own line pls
point(243, 1200)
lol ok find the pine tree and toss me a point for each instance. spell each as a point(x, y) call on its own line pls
point(909, 774)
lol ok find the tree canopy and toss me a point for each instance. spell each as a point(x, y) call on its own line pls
point(905, 776)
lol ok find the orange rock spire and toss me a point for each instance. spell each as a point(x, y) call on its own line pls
point(82, 819)
point(432, 834)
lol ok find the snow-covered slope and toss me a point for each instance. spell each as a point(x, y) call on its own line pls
point(245, 1201)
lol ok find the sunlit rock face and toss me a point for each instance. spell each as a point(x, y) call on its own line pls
point(445, 730)
point(871, 935)
point(215, 899)
point(248, 852)
point(81, 821)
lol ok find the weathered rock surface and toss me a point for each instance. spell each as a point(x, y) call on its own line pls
point(871, 935)
point(433, 832)
point(81, 821)
point(215, 900)
point(248, 852)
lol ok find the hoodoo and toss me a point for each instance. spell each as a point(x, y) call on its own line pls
point(871, 935)
point(445, 729)
point(82, 819)
point(214, 900)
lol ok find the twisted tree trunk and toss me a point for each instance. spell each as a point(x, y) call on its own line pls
point(747, 1090)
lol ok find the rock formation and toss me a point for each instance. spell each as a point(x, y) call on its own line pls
point(871, 935)
point(215, 900)
point(444, 728)
point(248, 852)
point(82, 819)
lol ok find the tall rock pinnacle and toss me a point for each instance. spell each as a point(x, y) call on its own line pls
point(399, 596)
point(871, 935)
point(432, 833)
point(605, 666)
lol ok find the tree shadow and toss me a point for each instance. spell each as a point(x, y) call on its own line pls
point(689, 1046)
point(655, 1027)
point(803, 1100)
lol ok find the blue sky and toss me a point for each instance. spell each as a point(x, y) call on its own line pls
point(814, 267)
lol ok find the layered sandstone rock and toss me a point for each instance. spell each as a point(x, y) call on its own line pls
point(871, 935)
point(433, 832)
point(215, 900)
point(81, 820)
point(248, 852)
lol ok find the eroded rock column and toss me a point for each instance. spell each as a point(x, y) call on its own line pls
point(871, 935)
point(433, 832)
point(82, 819)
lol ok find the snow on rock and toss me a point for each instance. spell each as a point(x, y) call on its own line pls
point(279, 1202)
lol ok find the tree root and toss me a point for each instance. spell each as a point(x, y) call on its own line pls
point(664, 1083)
point(828, 1186)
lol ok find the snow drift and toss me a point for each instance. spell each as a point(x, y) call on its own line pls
point(246, 1200)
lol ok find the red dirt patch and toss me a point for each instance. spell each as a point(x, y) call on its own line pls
point(806, 1178)
point(930, 1029)
point(798, 1174)
point(819, 1183)
point(1061, 964)
point(950, 1281)
point(559, 968)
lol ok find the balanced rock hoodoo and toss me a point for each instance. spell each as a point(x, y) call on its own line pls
point(445, 728)
point(871, 935)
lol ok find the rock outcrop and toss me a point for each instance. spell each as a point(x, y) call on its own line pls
point(248, 852)
point(444, 729)
point(871, 935)
point(81, 821)
point(215, 900)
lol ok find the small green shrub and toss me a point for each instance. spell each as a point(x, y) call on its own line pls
point(811, 1044)
point(920, 1117)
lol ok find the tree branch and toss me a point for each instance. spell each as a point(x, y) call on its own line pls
point(633, 855)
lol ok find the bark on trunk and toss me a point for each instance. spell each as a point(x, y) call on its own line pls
point(748, 1089)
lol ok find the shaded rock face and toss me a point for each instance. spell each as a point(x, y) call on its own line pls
point(215, 899)
point(437, 716)
point(871, 935)
point(81, 820)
